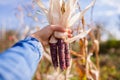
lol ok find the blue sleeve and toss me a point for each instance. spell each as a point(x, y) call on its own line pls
point(20, 61)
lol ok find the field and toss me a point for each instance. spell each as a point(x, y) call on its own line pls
point(109, 60)
point(91, 54)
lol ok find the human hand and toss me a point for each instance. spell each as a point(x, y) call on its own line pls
point(44, 34)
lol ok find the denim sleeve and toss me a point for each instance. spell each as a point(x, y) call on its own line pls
point(20, 61)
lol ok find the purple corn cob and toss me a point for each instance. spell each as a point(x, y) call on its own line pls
point(61, 52)
point(53, 51)
point(67, 55)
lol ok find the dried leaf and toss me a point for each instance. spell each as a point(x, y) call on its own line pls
point(79, 15)
point(40, 4)
point(94, 74)
point(76, 54)
point(92, 71)
point(80, 69)
point(79, 36)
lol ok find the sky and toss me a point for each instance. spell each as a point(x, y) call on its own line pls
point(105, 11)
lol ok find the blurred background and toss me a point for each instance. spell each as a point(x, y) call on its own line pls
point(19, 18)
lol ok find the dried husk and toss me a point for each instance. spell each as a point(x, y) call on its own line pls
point(79, 36)
point(56, 17)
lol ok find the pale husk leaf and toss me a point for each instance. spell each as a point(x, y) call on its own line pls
point(54, 13)
point(79, 15)
point(70, 8)
point(53, 40)
point(40, 4)
point(79, 36)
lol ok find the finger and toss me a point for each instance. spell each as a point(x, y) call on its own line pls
point(57, 28)
point(69, 31)
point(70, 35)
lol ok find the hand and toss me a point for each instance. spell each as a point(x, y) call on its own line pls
point(44, 34)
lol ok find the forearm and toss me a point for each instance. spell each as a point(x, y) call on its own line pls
point(20, 61)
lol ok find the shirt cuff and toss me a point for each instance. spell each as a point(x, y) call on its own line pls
point(37, 44)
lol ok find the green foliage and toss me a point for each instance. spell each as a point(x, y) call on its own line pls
point(109, 60)
point(75, 78)
point(110, 44)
